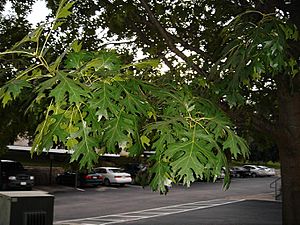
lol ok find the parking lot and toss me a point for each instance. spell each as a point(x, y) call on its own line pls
point(248, 201)
point(219, 211)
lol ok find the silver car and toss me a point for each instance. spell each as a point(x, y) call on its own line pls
point(269, 171)
point(255, 171)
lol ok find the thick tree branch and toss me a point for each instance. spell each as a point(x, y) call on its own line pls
point(160, 54)
point(169, 41)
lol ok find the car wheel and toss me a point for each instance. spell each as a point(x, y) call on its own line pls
point(238, 175)
point(253, 175)
point(106, 182)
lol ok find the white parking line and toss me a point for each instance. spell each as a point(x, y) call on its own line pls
point(147, 213)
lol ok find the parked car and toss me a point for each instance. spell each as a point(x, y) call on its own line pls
point(84, 178)
point(14, 176)
point(269, 171)
point(237, 171)
point(114, 175)
point(255, 171)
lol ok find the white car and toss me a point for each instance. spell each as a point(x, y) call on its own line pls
point(268, 171)
point(255, 171)
point(114, 175)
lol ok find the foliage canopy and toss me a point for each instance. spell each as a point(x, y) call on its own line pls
point(242, 55)
point(92, 103)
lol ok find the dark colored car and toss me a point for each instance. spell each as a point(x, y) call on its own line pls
point(83, 179)
point(237, 171)
point(14, 176)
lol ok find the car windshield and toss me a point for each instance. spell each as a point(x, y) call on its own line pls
point(11, 166)
point(116, 170)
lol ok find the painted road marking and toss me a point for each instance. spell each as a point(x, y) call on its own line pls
point(147, 213)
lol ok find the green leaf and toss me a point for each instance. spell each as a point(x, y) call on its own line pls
point(235, 144)
point(71, 142)
point(136, 149)
point(145, 141)
point(69, 89)
point(63, 10)
point(189, 160)
point(134, 100)
point(77, 59)
point(159, 171)
point(165, 137)
point(6, 97)
point(12, 90)
point(190, 156)
point(33, 36)
point(117, 132)
point(85, 151)
point(55, 131)
point(76, 46)
point(234, 98)
point(41, 130)
point(57, 24)
point(104, 101)
point(102, 61)
point(49, 132)
point(54, 66)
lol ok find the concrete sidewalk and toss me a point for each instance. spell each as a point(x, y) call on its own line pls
point(263, 197)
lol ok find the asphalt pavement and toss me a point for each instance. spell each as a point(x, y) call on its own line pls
point(248, 212)
point(249, 202)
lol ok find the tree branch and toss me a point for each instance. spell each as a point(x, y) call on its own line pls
point(116, 43)
point(169, 41)
point(160, 54)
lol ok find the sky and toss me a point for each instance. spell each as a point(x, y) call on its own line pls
point(38, 14)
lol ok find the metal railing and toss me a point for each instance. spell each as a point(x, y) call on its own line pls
point(277, 185)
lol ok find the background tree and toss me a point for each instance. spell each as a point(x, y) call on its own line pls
point(13, 27)
point(247, 63)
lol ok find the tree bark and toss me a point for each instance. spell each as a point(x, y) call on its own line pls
point(288, 142)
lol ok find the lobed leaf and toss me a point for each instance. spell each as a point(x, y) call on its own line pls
point(12, 90)
point(69, 89)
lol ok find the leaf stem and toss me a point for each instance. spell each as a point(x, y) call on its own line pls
point(17, 52)
point(27, 71)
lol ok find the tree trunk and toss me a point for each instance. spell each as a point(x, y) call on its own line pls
point(288, 142)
